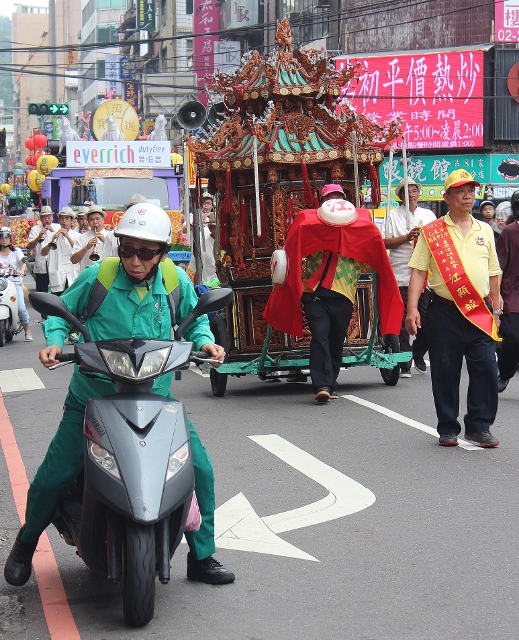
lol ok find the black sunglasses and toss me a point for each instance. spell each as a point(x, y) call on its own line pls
point(143, 253)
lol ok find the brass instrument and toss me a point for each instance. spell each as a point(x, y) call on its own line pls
point(94, 256)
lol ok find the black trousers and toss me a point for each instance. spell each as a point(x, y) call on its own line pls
point(42, 282)
point(419, 346)
point(508, 350)
point(328, 319)
point(451, 338)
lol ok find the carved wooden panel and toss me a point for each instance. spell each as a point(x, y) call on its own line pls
point(252, 327)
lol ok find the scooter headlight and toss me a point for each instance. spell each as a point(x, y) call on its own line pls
point(118, 363)
point(153, 362)
point(3, 284)
point(177, 460)
point(104, 459)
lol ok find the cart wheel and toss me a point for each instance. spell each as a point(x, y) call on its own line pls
point(391, 345)
point(219, 380)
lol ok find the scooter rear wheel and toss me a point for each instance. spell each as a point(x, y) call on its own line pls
point(138, 581)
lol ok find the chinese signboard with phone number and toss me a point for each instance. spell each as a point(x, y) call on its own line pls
point(438, 96)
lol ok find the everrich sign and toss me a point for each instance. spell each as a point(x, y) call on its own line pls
point(438, 96)
point(119, 154)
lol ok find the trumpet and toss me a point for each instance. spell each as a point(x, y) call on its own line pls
point(94, 256)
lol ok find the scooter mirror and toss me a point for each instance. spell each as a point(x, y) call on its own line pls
point(213, 300)
point(49, 305)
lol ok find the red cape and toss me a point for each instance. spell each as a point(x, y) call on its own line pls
point(360, 240)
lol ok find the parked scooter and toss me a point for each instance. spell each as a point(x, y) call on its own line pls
point(9, 321)
point(127, 513)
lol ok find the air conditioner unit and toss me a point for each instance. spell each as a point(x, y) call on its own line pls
point(294, 15)
point(321, 4)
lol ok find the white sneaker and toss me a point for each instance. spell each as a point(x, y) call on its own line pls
point(28, 337)
point(405, 374)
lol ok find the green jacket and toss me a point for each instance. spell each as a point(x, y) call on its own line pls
point(122, 315)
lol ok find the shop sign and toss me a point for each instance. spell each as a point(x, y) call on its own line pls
point(438, 96)
point(506, 21)
point(433, 170)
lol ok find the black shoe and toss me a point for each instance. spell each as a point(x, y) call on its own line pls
point(405, 373)
point(419, 365)
point(17, 569)
point(448, 440)
point(502, 384)
point(323, 395)
point(482, 439)
point(208, 570)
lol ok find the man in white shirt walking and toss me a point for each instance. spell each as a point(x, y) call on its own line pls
point(400, 234)
point(58, 249)
point(37, 237)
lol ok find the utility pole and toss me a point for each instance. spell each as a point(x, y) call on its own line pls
point(52, 30)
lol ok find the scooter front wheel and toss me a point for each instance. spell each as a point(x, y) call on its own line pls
point(138, 580)
point(3, 332)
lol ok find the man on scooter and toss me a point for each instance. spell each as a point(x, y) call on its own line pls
point(135, 306)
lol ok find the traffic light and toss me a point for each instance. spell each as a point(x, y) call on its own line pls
point(38, 109)
point(45, 109)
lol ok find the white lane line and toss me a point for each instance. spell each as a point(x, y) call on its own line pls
point(196, 369)
point(408, 421)
point(19, 380)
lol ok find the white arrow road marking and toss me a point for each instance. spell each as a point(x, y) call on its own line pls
point(19, 380)
point(238, 526)
point(346, 496)
point(409, 421)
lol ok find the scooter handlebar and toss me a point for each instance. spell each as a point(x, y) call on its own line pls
point(197, 356)
point(66, 357)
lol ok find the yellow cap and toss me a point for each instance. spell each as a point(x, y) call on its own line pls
point(458, 178)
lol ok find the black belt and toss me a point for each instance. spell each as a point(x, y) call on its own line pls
point(440, 300)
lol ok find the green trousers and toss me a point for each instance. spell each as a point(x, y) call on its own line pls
point(64, 461)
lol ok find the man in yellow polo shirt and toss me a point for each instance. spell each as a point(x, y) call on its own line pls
point(457, 255)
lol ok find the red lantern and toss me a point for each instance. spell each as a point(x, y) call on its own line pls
point(29, 144)
point(37, 155)
point(30, 161)
point(40, 141)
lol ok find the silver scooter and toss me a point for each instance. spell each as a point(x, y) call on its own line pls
point(9, 320)
point(126, 514)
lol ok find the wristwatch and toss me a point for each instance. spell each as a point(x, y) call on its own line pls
point(498, 312)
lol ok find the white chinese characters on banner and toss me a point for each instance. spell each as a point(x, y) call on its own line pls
point(112, 75)
point(438, 96)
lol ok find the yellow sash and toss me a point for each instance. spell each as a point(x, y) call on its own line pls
point(453, 274)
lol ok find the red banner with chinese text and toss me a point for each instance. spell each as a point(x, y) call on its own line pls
point(206, 18)
point(438, 96)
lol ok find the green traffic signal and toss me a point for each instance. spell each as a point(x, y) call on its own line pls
point(45, 109)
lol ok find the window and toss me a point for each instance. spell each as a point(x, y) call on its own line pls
point(107, 33)
point(110, 4)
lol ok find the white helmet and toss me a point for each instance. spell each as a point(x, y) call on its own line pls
point(145, 221)
point(5, 232)
point(503, 210)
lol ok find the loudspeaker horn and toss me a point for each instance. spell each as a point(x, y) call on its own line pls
point(216, 113)
point(191, 115)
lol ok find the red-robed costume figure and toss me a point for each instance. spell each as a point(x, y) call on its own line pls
point(360, 240)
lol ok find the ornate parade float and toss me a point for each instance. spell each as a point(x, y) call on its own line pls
point(286, 131)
